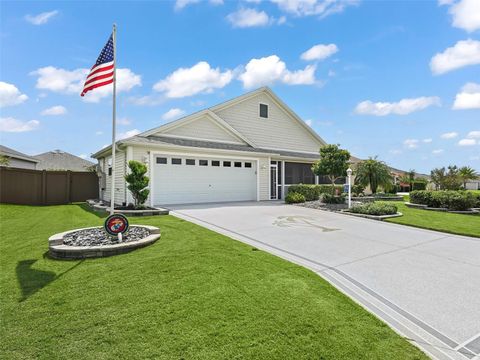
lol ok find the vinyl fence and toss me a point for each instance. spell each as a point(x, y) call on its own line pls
point(43, 187)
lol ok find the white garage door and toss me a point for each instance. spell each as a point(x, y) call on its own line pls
point(184, 180)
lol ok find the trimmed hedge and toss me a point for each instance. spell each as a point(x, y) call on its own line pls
point(312, 192)
point(419, 185)
point(333, 199)
point(450, 199)
point(294, 198)
point(374, 208)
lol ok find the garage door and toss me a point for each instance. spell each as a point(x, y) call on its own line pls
point(184, 180)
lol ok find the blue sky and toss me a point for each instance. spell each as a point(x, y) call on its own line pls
point(400, 80)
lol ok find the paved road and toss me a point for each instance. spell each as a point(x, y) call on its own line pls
point(425, 284)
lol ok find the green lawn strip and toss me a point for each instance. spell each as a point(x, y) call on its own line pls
point(194, 294)
point(460, 224)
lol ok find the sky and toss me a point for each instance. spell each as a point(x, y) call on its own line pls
point(395, 79)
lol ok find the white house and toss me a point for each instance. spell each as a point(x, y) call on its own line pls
point(249, 148)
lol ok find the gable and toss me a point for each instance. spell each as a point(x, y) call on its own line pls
point(281, 130)
point(201, 128)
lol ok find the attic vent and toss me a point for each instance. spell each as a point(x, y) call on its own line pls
point(263, 110)
point(58, 151)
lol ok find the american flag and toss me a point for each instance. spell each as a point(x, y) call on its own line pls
point(102, 72)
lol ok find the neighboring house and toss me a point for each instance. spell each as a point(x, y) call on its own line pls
point(17, 159)
point(472, 185)
point(61, 160)
point(249, 148)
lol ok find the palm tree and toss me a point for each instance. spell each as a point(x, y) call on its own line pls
point(373, 172)
point(466, 173)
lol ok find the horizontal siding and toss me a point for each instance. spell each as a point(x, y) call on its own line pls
point(120, 188)
point(278, 131)
point(264, 180)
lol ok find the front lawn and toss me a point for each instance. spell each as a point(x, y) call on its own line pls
point(194, 294)
point(435, 220)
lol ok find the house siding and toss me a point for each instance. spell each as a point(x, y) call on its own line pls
point(278, 131)
point(23, 164)
point(120, 188)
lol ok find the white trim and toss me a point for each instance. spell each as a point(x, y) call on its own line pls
point(128, 157)
point(283, 179)
point(275, 166)
point(258, 180)
point(150, 165)
point(268, 111)
point(201, 139)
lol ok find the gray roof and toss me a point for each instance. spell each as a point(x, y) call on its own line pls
point(6, 151)
point(217, 145)
point(61, 160)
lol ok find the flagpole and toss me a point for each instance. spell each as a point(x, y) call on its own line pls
point(112, 185)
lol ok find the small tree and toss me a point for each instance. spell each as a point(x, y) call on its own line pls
point(374, 173)
point(137, 182)
point(4, 160)
point(438, 177)
point(466, 173)
point(452, 179)
point(333, 163)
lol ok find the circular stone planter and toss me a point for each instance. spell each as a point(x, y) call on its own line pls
point(59, 250)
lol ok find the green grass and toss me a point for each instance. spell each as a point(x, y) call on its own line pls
point(435, 220)
point(194, 294)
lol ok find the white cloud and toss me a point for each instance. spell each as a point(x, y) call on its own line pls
point(128, 134)
point(437, 151)
point(468, 98)
point(466, 15)
point(402, 107)
point(124, 121)
point(467, 142)
point(474, 134)
point(319, 52)
point(180, 4)
point(271, 69)
point(200, 78)
point(463, 53)
point(244, 18)
point(309, 122)
point(427, 141)
point(83, 156)
point(449, 135)
point(42, 18)
point(321, 8)
point(411, 143)
point(147, 100)
point(173, 114)
point(10, 95)
point(98, 132)
point(10, 124)
point(55, 110)
point(126, 80)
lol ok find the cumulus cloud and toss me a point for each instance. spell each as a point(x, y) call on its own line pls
point(449, 135)
point(200, 78)
point(128, 134)
point(437, 151)
point(268, 70)
point(42, 18)
point(55, 110)
point(246, 17)
point(71, 82)
point(467, 142)
point(173, 114)
point(463, 53)
point(468, 98)
point(465, 14)
point(10, 95)
point(180, 4)
point(474, 134)
point(320, 8)
point(427, 141)
point(319, 52)
point(402, 107)
point(411, 143)
point(124, 121)
point(10, 124)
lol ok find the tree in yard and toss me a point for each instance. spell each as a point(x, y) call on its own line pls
point(438, 177)
point(373, 172)
point(333, 163)
point(4, 160)
point(411, 177)
point(466, 173)
point(137, 182)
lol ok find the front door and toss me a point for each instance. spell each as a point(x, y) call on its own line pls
point(273, 182)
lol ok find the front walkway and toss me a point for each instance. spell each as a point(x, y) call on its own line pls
point(424, 284)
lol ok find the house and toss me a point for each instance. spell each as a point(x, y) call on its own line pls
point(17, 159)
point(62, 160)
point(249, 148)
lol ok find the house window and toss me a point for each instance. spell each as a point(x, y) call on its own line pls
point(203, 162)
point(176, 161)
point(215, 163)
point(161, 160)
point(248, 165)
point(190, 161)
point(227, 164)
point(109, 171)
point(264, 110)
point(298, 173)
point(238, 164)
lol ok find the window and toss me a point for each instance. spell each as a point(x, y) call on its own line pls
point(161, 160)
point(203, 162)
point(264, 110)
point(227, 164)
point(215, 163)
point(297, 173)
point(248, 165)
point(190, 161)
point(110, 171)
point(176, 161)
point(238, 164)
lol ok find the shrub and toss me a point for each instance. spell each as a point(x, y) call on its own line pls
point(294, 198)
point(419, 185)
point(309, 192)
point(137, 182)
point(450, 199)
point(332, 199)
point(358, 190)
point(460, 200)
point(374, 208)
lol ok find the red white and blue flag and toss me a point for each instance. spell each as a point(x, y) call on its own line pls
point(102, 72)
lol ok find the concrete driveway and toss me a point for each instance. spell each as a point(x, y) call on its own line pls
point(424, 284)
